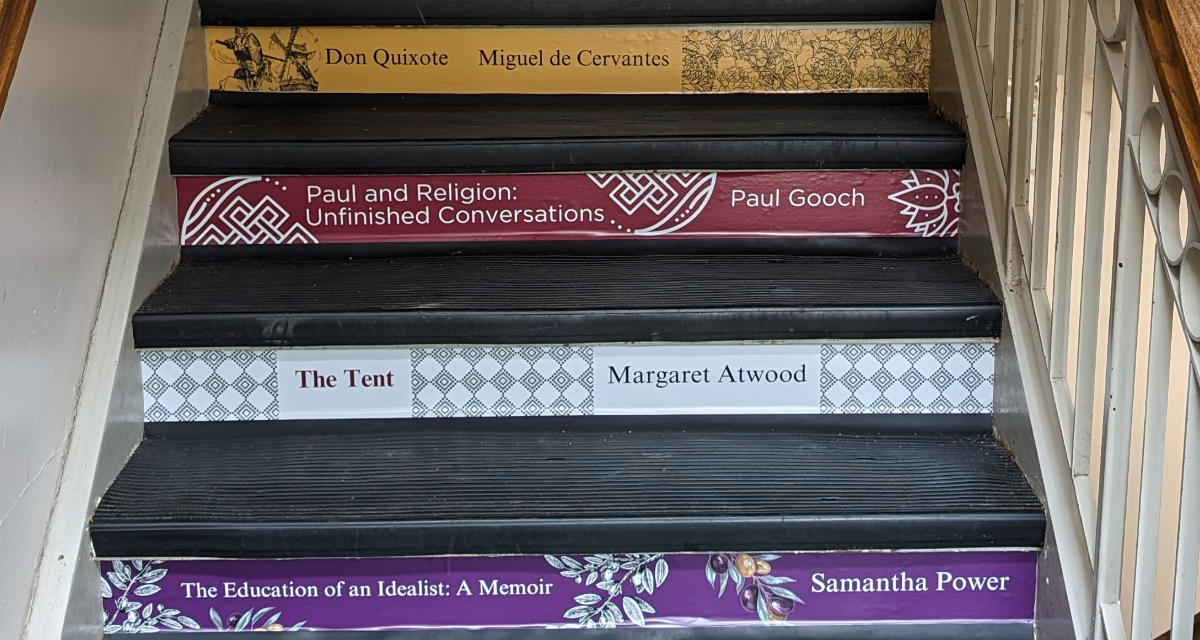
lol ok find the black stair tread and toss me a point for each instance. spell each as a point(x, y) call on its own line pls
point(328, 134)
point(883, 631)
point(273, 13)
point(557, 485)
point(599, 298)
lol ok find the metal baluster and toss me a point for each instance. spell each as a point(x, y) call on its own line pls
point(1089, 282)
point(1162, 314)
point(1187, 555)
point(1068, 187)
point(1122, 358)
point(1043, 186)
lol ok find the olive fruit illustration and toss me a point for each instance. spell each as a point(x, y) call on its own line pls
point(233, 618)
point(749, 597)
point(776, 617)
point(761, 567)
point(719, 564)
point(781, 606)
point(745, 565)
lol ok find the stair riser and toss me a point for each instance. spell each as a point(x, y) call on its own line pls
point(796, 378)
point(263, 210)
point(533, 592)
point(879, 57)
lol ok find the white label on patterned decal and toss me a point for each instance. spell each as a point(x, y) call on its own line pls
point(697, 379)
point(345, 383)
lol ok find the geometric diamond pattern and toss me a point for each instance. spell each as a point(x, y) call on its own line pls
point(242, 384)
point(936, 377)
point(210, 385)
point(502, 381)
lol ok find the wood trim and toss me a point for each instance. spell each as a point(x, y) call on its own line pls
point(1173, 32)
point(14, 23)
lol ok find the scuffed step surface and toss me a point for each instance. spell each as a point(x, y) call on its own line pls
point(521, 485)
point(457, 299)
point(391, 134)
point(577, 283)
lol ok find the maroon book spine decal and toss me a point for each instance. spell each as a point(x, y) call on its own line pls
point(462, 208)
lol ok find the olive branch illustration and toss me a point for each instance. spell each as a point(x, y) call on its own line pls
point(759, 591)
point(139, 617)
point(609, 573)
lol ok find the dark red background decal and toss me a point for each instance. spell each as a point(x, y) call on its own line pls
point(347, 209)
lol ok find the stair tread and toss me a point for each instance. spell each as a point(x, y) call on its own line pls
point(518, 12)
point(469, 486)
point(347, 134)
point(554, 297)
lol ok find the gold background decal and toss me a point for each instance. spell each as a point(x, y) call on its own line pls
point(886, 58)
point(743, 60)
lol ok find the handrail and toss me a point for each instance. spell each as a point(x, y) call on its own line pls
point(1082, 117)
point(1172, 29)
point(14, 24)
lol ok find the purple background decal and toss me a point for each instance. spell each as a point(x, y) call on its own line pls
point(680, 590)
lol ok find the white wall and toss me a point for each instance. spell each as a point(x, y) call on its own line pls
point(66, 144)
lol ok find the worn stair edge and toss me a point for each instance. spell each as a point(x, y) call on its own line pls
point(552, 12)
point(859, 423)
point(462, 327)
point(482, 537)
point(511, 300)
point(333, 134)
point(866, 247)
point(480, 487)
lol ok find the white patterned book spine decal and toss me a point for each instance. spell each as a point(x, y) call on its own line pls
point(907, 378)
point(211, 385)
point(502, 381)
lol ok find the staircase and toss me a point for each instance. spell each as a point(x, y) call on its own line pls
point(494, 318)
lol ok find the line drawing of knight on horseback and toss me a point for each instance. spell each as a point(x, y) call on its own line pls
point(259, 70)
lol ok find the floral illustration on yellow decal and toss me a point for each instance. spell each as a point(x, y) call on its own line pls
point(750, 60)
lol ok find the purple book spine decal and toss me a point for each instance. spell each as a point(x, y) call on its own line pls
point(569, 591)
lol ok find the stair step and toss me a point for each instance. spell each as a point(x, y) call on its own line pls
point(561, 485)
point(791, 58)
point(332, 134)
point(506, 299)
point(270, 13)
point(302, 210)
point(981, 594)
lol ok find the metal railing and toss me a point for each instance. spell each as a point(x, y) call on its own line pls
point(1076, 154)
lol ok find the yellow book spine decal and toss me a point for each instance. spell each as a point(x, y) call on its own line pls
point(570, 60)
